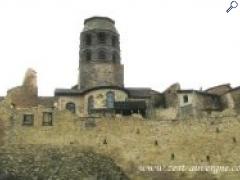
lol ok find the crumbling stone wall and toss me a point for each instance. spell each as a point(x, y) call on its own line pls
point(219, 90)
point(22, 96)
point(25, 95)
point(198, 104)
point(171, 97)
point(227, 101)
point(236, 98)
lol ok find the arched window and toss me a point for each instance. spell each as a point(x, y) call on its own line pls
point(101, 37)
point(114, 57)
point(90, 103)
point(88, 39)
point(101, 54)
point(110, 99)
point(88, 55)
point(114, 41)
point(71, 107)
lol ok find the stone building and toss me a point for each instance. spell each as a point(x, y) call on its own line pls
point(100, 89)
point(197, 103)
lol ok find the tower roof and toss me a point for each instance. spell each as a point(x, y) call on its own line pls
point(101, 23)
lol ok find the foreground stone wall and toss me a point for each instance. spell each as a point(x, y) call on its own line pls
point(130, 142)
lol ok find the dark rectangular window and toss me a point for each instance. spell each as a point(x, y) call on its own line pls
point(185, 99)
point(47, 119)
point(114, 41)
point(101, 37)
point(88, 40)
point(28, 119)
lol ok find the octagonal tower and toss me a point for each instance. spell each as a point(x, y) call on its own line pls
point(100, 61)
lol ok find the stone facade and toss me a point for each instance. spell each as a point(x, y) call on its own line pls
point(170, 94)
point(219, 90)
point(100, 90)
point(197, 103)
point(100, 61)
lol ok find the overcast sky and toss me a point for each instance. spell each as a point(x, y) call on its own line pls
point(193, 42)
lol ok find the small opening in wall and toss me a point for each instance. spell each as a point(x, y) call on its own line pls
point(114, 41)
point(208, 158)
point(101, 37)
point(13, 106)
point(47, 119)
point(28, 119)
point(71, 107)
point(172, 156)
point(90, 104)
point(185, 98)
point(88, 55)
point(88, 39)
point(234, 140)
point(102, 54)
point(105, 141)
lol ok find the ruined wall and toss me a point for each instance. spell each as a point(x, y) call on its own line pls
point(25, 95)
point(198, 104)
point(227, 101)
point(219, 90)
point(236, 98)
point(22, 96)
point(207, 102)
point(171, 97)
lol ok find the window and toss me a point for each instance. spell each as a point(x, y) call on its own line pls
point(71, 107)
point(88, 39)
point(110, 99)
point(28, 119)
point(114, 57)
point(47, 119)
point(90, 103)
point(88, 55)
point(101, 37)
point(114, 41)
point(185, 98)
point(101, 55)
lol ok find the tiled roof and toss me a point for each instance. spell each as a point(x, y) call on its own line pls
point(141, 92)
point(68, 92)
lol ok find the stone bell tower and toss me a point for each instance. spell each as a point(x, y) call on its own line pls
point(100, 61)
